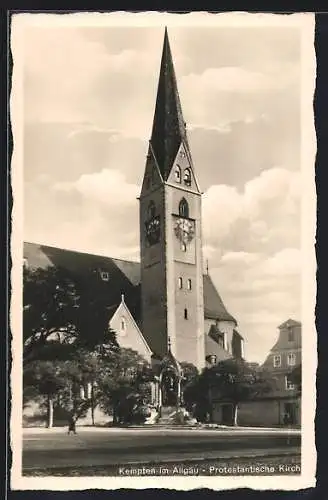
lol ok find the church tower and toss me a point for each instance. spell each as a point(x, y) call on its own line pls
point(172, 299)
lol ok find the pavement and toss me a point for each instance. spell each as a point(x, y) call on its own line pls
point(53, 448)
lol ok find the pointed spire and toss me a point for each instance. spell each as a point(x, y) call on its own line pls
point(169, 128)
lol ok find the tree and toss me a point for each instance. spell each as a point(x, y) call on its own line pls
point(68, 367)
point(124, 388)
point(62, 306)
point(230, 380)
point(46, 378)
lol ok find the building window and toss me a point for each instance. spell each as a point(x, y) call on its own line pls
point(291, 359)
point(277, 361)
point(180, 283)
point(104, 275)
point(186, 314)
point(189, 284)
point(151, 210)
point(183, 208)
point(187, 177)
point(123, 324)
point(289, 385)
point(177, 173)
point(290, 334)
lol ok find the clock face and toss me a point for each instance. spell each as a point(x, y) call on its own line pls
point(153, 230)
point(184, 230)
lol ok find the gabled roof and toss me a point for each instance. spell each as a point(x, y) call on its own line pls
point(213, 304)
point(124, 277)
point(169, 129)
point(289, 323)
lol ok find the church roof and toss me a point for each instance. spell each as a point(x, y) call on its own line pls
point(169, 128)
point(123, 277)
point(213, 304)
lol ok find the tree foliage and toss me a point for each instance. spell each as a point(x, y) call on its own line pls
point(231, 381)
point(61, 306)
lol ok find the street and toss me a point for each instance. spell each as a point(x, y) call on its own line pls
point(52, 449)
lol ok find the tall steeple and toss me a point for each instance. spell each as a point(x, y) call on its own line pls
point(172, 299)
point(169, 128)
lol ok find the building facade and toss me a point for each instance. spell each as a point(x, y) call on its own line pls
point(282, 405)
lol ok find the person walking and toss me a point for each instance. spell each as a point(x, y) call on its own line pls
point(71, 425)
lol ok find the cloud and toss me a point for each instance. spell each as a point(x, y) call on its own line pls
point(108, 187)
point(266, 213)
point(261, 292)
point(240, 79)
point(258, 266)
point(241, 258)
point(284, 263)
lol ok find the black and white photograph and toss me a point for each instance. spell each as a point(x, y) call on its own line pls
point(163, 232)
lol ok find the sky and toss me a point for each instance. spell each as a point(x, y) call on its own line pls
point(89, 98)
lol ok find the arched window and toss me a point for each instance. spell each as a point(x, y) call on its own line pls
point(186, 314)
point(183, 208)
point(180, 283)
point(177, 174)
point(187, 177)
point(123, 326)
point(183, 246)
point(151, 210)
point(189, 284)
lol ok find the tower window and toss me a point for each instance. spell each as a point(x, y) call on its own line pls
point(186, 314)
point(180, 283)
point(151, 210)
point(183, 208)
point(187, 177)
point(177, 173)
point(183, 247)
point(122, 324)
point(189, 284)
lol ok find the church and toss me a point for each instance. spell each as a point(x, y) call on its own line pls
point(165, 303)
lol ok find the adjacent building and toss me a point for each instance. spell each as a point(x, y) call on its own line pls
point(282, 405)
